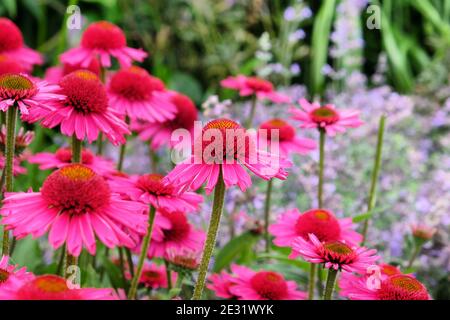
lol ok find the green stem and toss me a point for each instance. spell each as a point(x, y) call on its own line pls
point(76, 150)
point(311, 284)
point(11, 116)
point(321, 166)
point(414, 255)
point(219, 195)
point(179, 283)
point(144, 250)
point(122, 151)
point(249, 122)
point(267, 214)
point(100, 144)
point(331, 281)
point(122, 269)
point(130, 261)
point(168, 275)
point(375, 174)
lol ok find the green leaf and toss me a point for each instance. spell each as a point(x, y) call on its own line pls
point(27, 253)
point(114, 273)
point(185, 83)
point(320, 43)
point(237, 248)
point(362, 217)
point(11, 7)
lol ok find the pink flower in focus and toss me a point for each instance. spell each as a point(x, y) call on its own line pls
point(221, 283)
point(154, 276)
point(150, 189)
point(55, 74)
point(248, 86)
point(231, 158)
point(63, 157)
point(135, 93)
point(12, 45)
point(393, 287)
point(335, 255)
point(173, 231)
point(75, 205)
point(159, 133)
point(288, 141)
point(52, 287)
point(262, 285)
point(84, 112)
point(23, 91)
point(328, 118)
point(103, 39)
point(320, 222)
point(10, 274)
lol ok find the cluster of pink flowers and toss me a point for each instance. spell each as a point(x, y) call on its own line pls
point(88, 202)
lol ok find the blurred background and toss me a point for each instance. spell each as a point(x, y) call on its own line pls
point(381, 57)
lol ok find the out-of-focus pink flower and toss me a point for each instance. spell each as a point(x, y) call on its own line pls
point(104, 40)
point(328, 117)
point(12, 45)
point(261, 88)
point(133, 92)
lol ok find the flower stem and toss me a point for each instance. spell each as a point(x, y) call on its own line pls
point(375, 173)
point(249, 122)
point(414, 255)
point(76, 150)
point(100, 144)
point(219, 195)
point(312, 276)
point(321, 167)
point(11, 116)
point(123, 148)
point(331, 281)
point(267, 214)
point(130, 261)
point(144, 250)
point(168, 275)
point(179, 283)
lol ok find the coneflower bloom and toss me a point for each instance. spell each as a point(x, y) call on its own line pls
point(9, 65)
point(135, 93)
point(159, 133)
point(232, 156)
point(12, 45)
point(63, 157)
point(183, 259)
point(221, 283)
point(371, 279)
point(288, 142)
point(52, 287)
point(328, 117)
point(263, 285)
point(173, 231)
point(154, 276)
point(150, 189)
point(22, 140)
point(84, 112)
point(336, 255)
point(75, 205)
point(320, 222)
point(12, 273)
point(55, 74)
point(248, 86)
point(394, 287)
point(103, 39)
point(23, 91)
point(422, 232)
